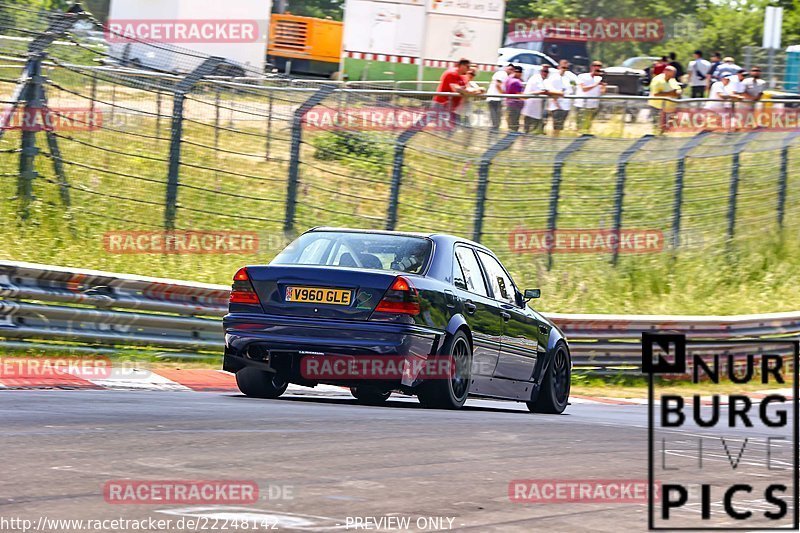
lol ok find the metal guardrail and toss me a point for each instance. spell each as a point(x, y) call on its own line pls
point(100, 309)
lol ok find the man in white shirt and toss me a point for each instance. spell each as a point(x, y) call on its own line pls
point(699, 69)
point(721, 94)
point(558, 86)
point(726, 68)
point(533, 111)
point(589, 84)
point(754, 86)
point(495, 88)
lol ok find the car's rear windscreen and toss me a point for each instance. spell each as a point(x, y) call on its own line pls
point(377, 251)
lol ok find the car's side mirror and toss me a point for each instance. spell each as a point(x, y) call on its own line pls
point(530, 294)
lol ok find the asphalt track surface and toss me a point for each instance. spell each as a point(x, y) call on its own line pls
point(339, 460)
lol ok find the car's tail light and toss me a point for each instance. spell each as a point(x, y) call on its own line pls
point(242, 291)
point(401, 298)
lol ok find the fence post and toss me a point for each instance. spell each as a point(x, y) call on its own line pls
point(216, 119)
point(179, 96)
point(269, 127)
point(32, 94)
point(483, 180)
point(619, 194)
point(680, 173)
point(397, 172)
point(784, 175)
point(555, 189)
point(294, 153)
point(734, 187)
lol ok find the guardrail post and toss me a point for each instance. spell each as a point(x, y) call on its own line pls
point(294, 153)
point(179, 96)
point(680, 173)
point(619, 194)
point(783, 176)
point(397, 172)
point(483, 179)
point(734, 187)
point(555, 188)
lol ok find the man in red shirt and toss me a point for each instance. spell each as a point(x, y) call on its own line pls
point(452, 81)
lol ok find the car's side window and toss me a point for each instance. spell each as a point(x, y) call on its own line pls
point(501, 284)
point(466, 265)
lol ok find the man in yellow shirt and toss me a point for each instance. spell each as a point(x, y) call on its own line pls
point(667, 86)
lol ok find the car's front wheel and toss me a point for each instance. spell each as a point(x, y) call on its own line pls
point(369, 395)
point(554, 394)
point(451, 391)
point(260, 384)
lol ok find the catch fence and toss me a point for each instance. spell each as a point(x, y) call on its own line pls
point(136, 150)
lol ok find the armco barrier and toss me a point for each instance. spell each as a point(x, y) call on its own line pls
point(101, 309)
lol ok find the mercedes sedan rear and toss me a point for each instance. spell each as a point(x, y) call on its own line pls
point(431, 315)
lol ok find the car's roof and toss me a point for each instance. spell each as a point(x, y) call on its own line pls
point(442, 237)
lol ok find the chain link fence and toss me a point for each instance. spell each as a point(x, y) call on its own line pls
point(134, 151)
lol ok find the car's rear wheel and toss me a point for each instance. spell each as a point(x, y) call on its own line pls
point(260, 384)
point(554, 394)
point(370, 395)
point(450, 392)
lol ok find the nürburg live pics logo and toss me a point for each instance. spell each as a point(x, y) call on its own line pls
point(723, 449)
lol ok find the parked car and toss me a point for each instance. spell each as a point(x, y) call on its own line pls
point(529, 60)
point(375, 297)
point(630, 77)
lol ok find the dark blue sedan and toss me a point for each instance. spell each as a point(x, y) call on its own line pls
point(430, 315)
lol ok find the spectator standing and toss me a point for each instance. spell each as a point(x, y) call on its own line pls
point(513, 85)
point(534, 109)
point(496, 88)
point(664, 85)
point(721, 94)
point(589, 84)
point(727, 68)
point(716, 60)
point(754, 86)
point(452, 81)
point(558, 86)
point(472, 89)
point(698, 74)
point(659, 66)
point(673, 62)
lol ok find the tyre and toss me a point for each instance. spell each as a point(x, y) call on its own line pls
point(554, 394)
point(450, 393)
point(260, 384)
point(370, 395)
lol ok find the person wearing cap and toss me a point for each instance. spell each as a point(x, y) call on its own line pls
point(533, 111)
point(496, 88)
point(698, 74)
point(513, 85)
point(727, 68)
point(721, 95)
point(665, 86)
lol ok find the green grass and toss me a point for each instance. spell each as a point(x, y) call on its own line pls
point(239, 188)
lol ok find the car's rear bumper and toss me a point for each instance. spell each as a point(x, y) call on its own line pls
point(277, 343)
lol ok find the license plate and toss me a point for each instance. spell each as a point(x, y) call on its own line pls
point(318, 295)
